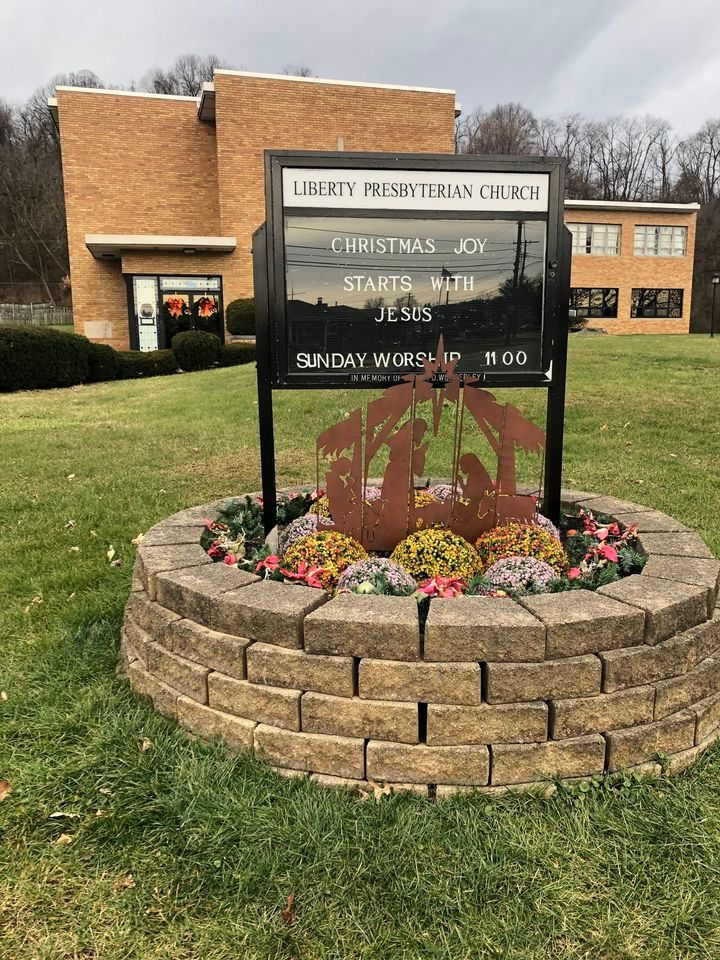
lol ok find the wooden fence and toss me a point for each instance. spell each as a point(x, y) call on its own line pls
point(34, 315)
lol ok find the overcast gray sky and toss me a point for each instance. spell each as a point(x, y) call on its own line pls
point(596, 57)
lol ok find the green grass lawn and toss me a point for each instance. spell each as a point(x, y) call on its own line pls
point(179, 850)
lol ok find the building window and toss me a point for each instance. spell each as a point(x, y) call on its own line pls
point(656, 303)
point(599, 239)
point(660, 241)
point(594, 301)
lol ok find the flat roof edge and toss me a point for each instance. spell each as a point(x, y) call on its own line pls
point(631, 205)
point(339, 83)
point(125, 93)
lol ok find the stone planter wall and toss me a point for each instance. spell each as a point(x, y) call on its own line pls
point(494, 695)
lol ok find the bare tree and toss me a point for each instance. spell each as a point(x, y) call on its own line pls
point(632, 158)
point(699, 164)
point(507, 129)
point(33, 236)
point(297, 70)
point(184, 78)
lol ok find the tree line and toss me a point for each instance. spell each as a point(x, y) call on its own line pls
point(620, 158)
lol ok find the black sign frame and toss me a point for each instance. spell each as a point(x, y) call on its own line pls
point(269, 275)
point(276, 161)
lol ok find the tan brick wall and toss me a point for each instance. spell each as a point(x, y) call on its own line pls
point(256, 114)
point(131, 164)
point(627, 271)
point(147, 165)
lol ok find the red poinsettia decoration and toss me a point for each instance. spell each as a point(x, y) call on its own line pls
point(445, 587)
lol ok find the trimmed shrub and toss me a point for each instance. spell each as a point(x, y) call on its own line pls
point(154, 363)
point(196, 350)
point(32, 358)
point(104, 363)
point(232, 354)
point(240, 315)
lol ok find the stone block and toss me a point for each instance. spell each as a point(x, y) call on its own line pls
point(419, 682)
point(365, 626)
point(164, 534)
point(568, 498)
point(678, 692)
point(187, 677)
point(606, 711)
point(582, 621)
point(150, 616)
point(681, 761)
point(268, 611)
point(636, 666)
point(218, 651)
point(519, 682)
point(163, 697)
point(669, 607)
point(482, 628)
point(612, 506)
point(674, 545)
point(135, 642)
point(313, 752)
point(403, 763)
point(626, 748)
point(523, 763)
point(651, 521)
point(196, 515)
point(275, 706)
point(210, 724)
point(192, 593)
point(281, 667)
point(353, 717)
point(155, 560)
point(702, 573)
point(449, 724)
point(707, 713)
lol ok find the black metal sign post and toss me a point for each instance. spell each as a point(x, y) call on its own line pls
point(366, 259)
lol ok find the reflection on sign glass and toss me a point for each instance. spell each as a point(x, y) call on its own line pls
point(367, 298)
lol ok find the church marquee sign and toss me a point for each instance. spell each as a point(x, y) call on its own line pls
point(371, 258)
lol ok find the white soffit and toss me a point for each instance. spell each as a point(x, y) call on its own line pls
point(107, 246)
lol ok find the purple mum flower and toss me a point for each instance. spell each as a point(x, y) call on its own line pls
point(399, 581)
point(300, 527)
point(547, 525)
point(520, 574)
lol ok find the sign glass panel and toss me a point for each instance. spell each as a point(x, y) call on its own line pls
point(368, 297)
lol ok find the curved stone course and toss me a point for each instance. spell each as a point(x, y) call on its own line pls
point(494, 695)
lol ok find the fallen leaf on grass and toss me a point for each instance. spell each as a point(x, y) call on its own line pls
point(61, 813)
point(71, 476)
point(93, 533)
point(70, 524)
point(5, 789)
point(111, 553)
point(3, 695)
point(145, 745)
point(603, 427)
point(72, 596)
point(64, 840)
point(33, 603)
point(74, 550)
point(124, 883)
point(287, 912)
point(138, 540)
point(626, 425)
point(674, 456)
point(377, 791)
point(106, 791)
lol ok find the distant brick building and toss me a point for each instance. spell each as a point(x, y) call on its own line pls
point(632, 264)
point(163, 194)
